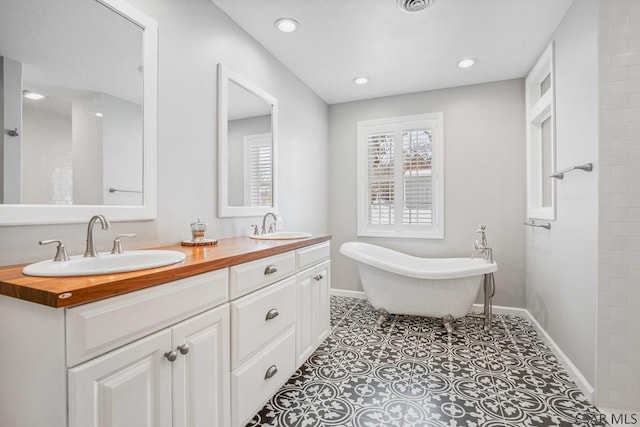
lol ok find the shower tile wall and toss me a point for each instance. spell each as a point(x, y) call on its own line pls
point(618, 348)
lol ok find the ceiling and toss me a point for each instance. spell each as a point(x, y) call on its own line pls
point(400, 52)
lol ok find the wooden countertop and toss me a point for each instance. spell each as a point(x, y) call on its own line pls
point(84, 289)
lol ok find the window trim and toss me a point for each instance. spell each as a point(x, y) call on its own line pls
point(539, 108)
point(433, 121)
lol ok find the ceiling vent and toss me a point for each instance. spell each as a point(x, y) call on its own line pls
point(413, 5)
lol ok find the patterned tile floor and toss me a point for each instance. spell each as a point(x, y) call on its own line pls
point(409, 373)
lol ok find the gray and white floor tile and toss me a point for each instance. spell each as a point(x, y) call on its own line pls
point(410, 373)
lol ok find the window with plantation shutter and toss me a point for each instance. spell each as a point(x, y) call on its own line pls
point(381, 178)
point(258, 170)
point(400, 177)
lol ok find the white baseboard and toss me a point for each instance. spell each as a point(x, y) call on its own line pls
point(500, 309)
point(581, 381)
point(345, 293)
point(577, 376)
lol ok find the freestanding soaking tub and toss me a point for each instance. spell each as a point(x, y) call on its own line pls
point(404, 284)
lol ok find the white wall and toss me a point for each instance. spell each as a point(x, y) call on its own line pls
point(562, 262)
point(193, 37)
point(46, 156)
point(484, 140)
point(618, 381)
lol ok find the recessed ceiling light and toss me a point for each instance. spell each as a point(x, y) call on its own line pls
point(99, 114)
point(466, 63)
point(32, 95)
point(361, 80)
point(286, 25)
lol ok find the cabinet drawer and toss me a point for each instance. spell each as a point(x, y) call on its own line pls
point(251, 385)
point(259, 317)
point(312, 255)
point(95, 328)
point(248, 277)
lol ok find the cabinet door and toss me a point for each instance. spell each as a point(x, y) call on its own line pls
point(305, 335)
point(201, 371)
point(128, 387)
point(322, 284)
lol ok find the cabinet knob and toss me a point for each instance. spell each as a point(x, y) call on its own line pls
point(273, 313)
point(270, 269)
point(184, 348)
point(318, 277)
point(171, 355)
point(273, 369)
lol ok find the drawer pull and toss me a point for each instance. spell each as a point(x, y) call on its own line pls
point(171, 356)
point(270, 269)
point(184, 348)
point(271, 372)
point(271, 314)
point(318, 277)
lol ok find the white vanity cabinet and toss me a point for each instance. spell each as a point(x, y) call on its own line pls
point(266, 323)
point(178, 376)
point(312, 324)
point(207, 350)
point(262, 332)
point(107, 363)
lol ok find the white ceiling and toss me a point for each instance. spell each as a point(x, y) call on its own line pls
point(400, 52)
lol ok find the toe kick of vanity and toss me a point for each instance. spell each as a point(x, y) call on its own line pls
point(207, 347)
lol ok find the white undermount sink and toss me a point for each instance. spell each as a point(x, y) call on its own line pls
point(282, 235)
point(104, 263)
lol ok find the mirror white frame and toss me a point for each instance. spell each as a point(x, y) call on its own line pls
point(56, 214)
point(225, 76)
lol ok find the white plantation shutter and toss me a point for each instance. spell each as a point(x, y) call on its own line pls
point(381, 178)
point(416, 177)
point(258, 170)
point(400, 185)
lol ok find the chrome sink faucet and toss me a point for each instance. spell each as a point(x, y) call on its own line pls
point(104, 222)
point(264, 223)
point(481, 247)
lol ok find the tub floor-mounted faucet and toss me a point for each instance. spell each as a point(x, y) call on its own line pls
point(481, 247)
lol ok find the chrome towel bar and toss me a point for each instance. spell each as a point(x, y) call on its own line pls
point(532, 223)
point(113, 190)
point(587, 167)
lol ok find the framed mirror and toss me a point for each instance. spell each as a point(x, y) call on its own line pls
point(247, 147)
point(78, 84)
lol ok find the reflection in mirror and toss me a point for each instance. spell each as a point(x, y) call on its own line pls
point(247, 147)
point(250, 154)
point(79, 123)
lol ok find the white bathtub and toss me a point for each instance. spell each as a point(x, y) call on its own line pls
point(404, 284)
